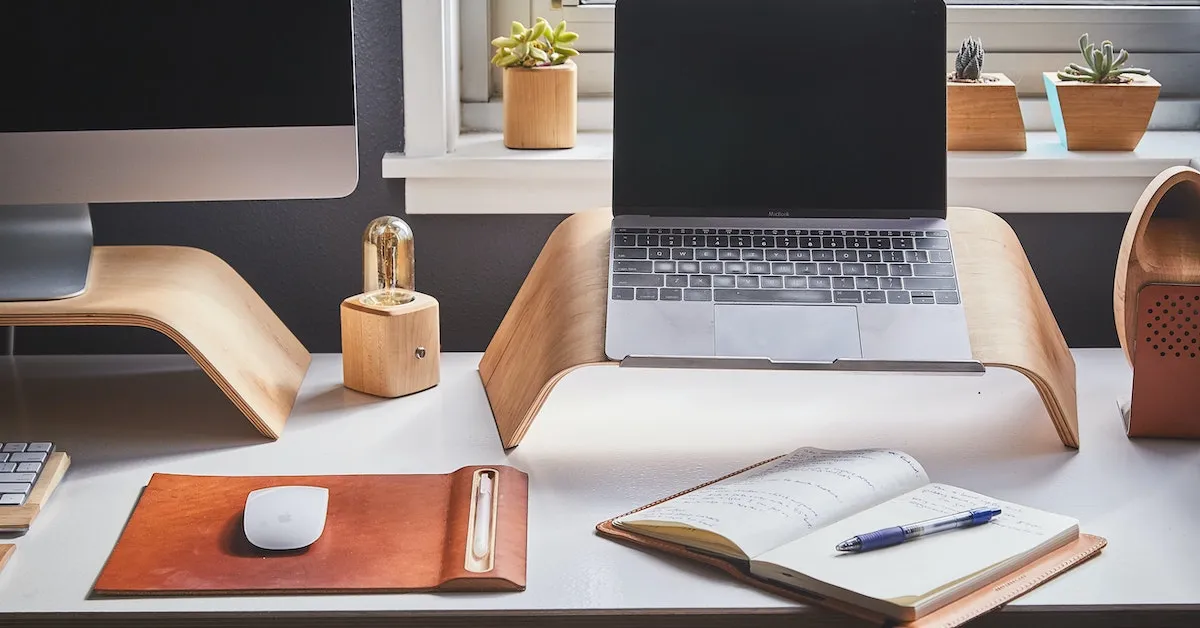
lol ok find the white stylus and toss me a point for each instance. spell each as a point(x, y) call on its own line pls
point(483, 517)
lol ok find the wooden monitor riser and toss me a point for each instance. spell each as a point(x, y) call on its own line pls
point(556, 322)
point(203, 305)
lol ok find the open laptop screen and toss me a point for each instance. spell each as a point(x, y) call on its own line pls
point(780, 107)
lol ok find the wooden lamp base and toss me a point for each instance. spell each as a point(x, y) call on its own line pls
point(391, 351)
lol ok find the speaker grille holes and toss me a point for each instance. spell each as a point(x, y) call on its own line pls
point(1168, 334)
point(1163, 354)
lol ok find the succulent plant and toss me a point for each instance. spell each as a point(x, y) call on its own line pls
point(538, 45)
point(968, 65)
point(1103, 65)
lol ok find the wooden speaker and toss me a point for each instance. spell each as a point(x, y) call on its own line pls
point(1156, 303)
point(390, 350)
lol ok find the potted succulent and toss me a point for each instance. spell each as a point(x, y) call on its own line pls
point(982, 110)
point(1103, 106)
point(540, 85)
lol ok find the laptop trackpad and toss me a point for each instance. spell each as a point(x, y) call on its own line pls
point(788, 333)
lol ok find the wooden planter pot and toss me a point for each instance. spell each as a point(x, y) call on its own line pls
point(540, 106)
point(1088, 116)
point(984, 116)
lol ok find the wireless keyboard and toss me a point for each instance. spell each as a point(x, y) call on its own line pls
point(21, 465)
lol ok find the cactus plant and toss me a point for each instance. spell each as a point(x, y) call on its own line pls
point(968, 65)
point(538, 45)
point(1103, 65)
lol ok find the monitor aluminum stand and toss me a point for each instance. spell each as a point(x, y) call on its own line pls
point(45, 251)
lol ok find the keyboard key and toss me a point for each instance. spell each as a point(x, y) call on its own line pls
point(24, 478)
point(912, 233)
point(772, 296)
point(933, 270)
point(664, 267)
point(853, 269)
point(647, 294)
point(712, 268)
point(28, 467)
point(729, 254)
point(821, 232)
point(8, 467)
point(866, 283)
point(923, 297)
point(631, 266)
point(14, 447)
point(624, 239)
point(752, 254)
point(771, 281)
point(830, 269)
point(12, 499)
point(15, 488)
point(776, 255)
point(735, 268)
point(856, 242)
point(740, 241)
point(940, 244)
point(833, 243)
point(902, 243)
point(901, 270)
point(3, 457)
point(893, 256)
point(763, 242)
point(717, 241)
point(697, 294)
point(28, 457)
point(945, 297)
point(688, 268)
point(843, 283)
point(700, 281)
point(916, 257)
point(847, 296)
point(747, 281)
point(810, 243)
point(647, 240)
point(622, 294)
point(797, 232)
point(782, 268)
point(889, 233)
point(897, 296)
point(936, 233)
point(940, 256)
point(799, 256)
point(877, 270)
point(820, 282)
point(637, 281)
point(787, 242)
point(879, 243)
point(752, 231)
point(681, 231)
point(671, 240)
point(629, 230)
point(706, 254)
point(845, 256)
point(822, 255)
point(670, 294)
point(693, 241)
point(760, 268)
point(775, 232)
point(795, 282)
point(869, 256)
point(727, 231)
point(681, 254)
point(806, 268)
point(628, 253)
point(677, 281)
point(660, 253)
point(930, 283)
point(724, 281)
point(874, 296)
point(891, 283)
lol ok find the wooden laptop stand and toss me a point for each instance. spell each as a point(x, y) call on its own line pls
point(556, 322)
point(202, 304)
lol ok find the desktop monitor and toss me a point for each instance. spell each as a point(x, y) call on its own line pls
point(162, 100)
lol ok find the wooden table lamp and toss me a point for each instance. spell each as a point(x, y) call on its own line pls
point(391, 342)
point(1156, 303)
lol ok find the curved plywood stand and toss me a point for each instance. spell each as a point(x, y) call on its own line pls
point(556, 322)
point(199, 302)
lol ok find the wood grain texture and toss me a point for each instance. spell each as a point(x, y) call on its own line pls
point(984, 116)
point(556, 322)
point(391, 351)
point(541, 106)
point(200, 303)
point(6, 552)
point(383, 533)
point(1105, 117)
point(21, 518)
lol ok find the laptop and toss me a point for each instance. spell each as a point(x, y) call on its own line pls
point(779, 185)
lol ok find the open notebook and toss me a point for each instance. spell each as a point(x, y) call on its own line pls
point(785, 517)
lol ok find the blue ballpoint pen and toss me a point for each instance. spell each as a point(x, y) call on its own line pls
point(899, 534)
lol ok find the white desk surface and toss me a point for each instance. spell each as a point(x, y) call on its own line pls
point(607, 440)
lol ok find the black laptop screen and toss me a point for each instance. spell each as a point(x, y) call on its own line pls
point(780, 107)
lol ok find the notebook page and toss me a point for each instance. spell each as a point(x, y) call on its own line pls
point(909, 571)
point(780, 501)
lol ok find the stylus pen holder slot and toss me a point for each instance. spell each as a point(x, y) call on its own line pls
point(964, 367)
point(481, 525)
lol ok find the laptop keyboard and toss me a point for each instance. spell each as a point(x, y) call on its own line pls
point(783, 266)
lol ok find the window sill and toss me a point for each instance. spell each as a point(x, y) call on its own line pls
point(481, 176)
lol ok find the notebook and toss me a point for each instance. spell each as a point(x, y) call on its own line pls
point(383, 533)
point(778, 522)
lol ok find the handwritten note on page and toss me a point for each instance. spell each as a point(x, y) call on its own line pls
point(785, 499)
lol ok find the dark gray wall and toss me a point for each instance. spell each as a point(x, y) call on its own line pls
point(303, 257)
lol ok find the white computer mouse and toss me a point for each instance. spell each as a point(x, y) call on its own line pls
point(285, 517)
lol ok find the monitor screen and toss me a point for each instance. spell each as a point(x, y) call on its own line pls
point(780, 107)
point(158, 100)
